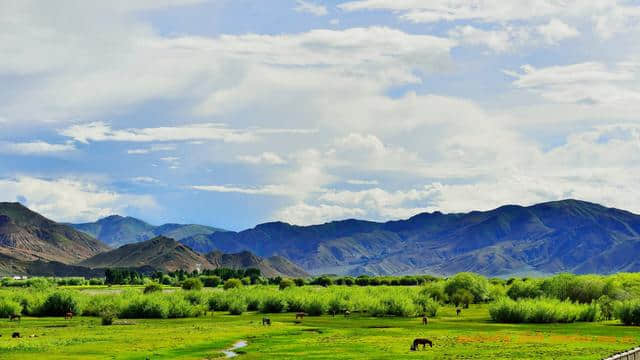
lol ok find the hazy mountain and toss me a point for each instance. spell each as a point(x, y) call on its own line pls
point(167, 254)
point(27, 235)
point(567, 235)
point(117, 230)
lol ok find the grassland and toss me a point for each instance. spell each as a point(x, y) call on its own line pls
point(470, 336)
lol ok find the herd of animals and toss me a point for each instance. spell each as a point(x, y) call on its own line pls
point(267, 322)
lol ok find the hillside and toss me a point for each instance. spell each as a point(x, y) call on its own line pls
point(161, 253)
point(552, 237)
point(270, 267)
point(117, 230)
point(166, 254)
point(27, 235)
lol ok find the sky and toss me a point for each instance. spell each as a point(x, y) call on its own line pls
point(232, 113)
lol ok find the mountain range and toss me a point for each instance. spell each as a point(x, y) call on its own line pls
point(34, 245)
point(117, 230)
point(560, 236)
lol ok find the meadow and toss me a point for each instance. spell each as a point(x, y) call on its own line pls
point(563, 317)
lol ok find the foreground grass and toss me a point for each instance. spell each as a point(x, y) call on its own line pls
point(471, 336)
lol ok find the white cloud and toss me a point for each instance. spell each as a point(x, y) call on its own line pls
point(71, 200)
point(362, 182)
point(305, 214)
point(497, 40)
point(264, 158)
point(556, 30)
point(99, 131)
point(586, 83)
point(274, 190)
point(152, 148)
point(310, 8)
point(145, 180)
point(35, 148)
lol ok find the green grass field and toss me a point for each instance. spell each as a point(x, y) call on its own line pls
point(471, 336)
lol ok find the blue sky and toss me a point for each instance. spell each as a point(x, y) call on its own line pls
point(232, 113)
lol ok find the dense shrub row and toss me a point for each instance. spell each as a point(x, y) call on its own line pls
point(542, 311)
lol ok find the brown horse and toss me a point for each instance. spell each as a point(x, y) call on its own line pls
point(425, 321)
point(68, 316)
point(421, 341)
point(300, 315)
point(458, 311)
point(266, 321)
point(15, 335)
point(14, 317)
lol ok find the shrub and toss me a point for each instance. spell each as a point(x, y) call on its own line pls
point(336, 305)
point(192, 284)
point(152, 307)
point(542, 311)
point(59, 303)
point(246, 280)
point(462, 297)
point(316, 306)
point(296, 302)
point(96, 281)
point(273, 304)
point(606, 307)
point(427, 305)
point(194, 297)
point(218, 302)
point(394, 305)
point(232, 284)
point(286, 283)
point(152, 287)
point(629, 312)
point(178, 307)
point(299, 281)
point(237, 305)
point(211, 281)
point(9, 307)
point(107, 317)
point(435, 291)
point(475, 284)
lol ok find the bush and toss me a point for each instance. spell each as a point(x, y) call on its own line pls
point(192, 284)
point(629, 312)
point(96, 281)
point(218, 302)
point(59, 303)
point(315, 307)
point(107, 318)
point(286, 283)
point(394, 305)
point(299, 281)
point(542, 311)
point(232, 284)
point(237, 305)
point(336, 305)
point(427, 305)
point(211, 281)
point(462, 297)
point(273, 304)
point(435, 291)
point(475, 284)
point(146, 307)
point(152, 287)
point(9, 307)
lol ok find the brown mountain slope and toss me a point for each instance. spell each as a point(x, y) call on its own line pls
point(27, 235)
point(271, 267)
point(161, 253)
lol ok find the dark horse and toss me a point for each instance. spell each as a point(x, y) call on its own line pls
point(15, 335)
point(458, 311)
point(300, 315)
point(425, 321)
point(14, 317)
point(347, 313)
point(423, 342)
point(68, 316)
point(266, 321)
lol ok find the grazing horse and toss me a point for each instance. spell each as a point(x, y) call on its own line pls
point(15, 335)
point(425, 321)
point(266, 321)
point(14, 317)
point(68, 316)
point(458, 311)
point(421, 341)
point(300, 315)
point(347, 313)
